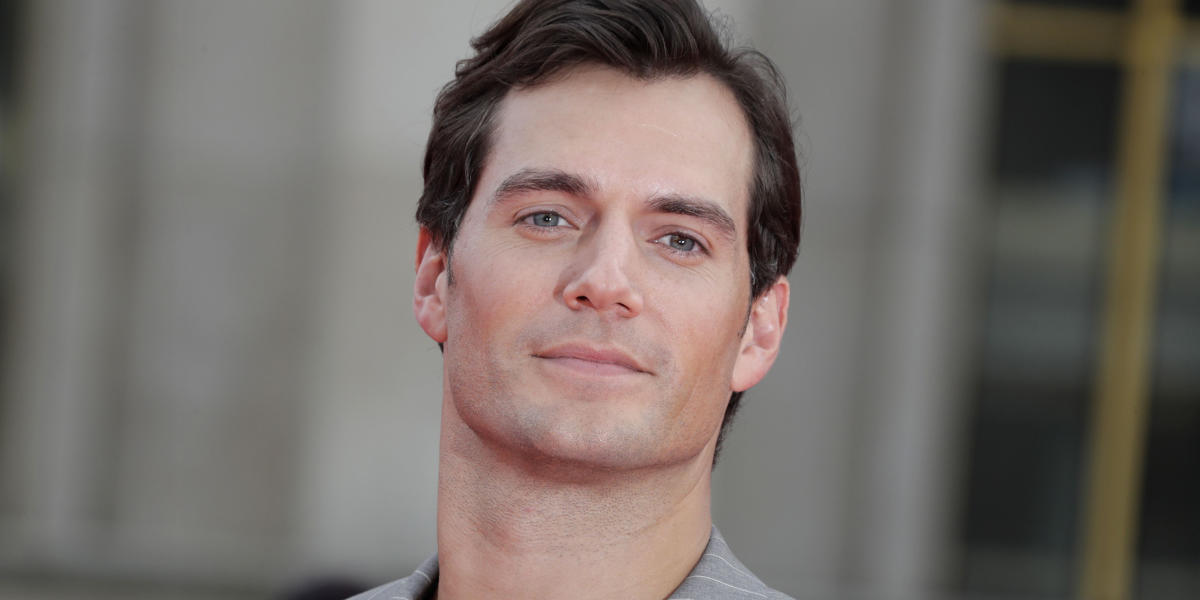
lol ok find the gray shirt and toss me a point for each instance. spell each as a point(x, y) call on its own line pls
point(718, 576)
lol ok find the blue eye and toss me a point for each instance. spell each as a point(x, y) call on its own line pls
point(544, 219)
point(679, 242)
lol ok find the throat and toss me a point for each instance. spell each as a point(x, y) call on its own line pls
point(501, 534)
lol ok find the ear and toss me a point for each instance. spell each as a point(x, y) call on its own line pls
point(764, 333)
point(429, 290)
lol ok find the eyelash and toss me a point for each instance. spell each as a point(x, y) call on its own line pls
point(698, 246)
point(527, 220)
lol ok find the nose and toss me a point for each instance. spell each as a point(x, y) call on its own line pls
point(599, 277)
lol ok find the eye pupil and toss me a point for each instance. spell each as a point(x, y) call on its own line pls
point(682, 243)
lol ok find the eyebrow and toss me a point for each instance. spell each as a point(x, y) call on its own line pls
point(705, 210)
point(555, 180)
point(542, 180)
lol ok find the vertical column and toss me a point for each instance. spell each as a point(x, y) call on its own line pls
point(1118, 427)
point(79, 152)
point(222, 282)
point(922, 286)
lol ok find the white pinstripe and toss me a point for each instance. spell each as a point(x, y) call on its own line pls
point(722, 559)
point(726, 584)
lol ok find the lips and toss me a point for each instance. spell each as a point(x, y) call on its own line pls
point(598, 359)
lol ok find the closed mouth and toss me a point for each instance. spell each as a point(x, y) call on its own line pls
point(595, 358)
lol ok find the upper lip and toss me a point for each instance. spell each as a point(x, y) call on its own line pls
point(596, 354)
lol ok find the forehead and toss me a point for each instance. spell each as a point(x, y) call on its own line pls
point(683, 135)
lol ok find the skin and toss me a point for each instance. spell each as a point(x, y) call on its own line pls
point(597, 320)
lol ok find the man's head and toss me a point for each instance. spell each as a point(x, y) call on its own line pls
point(647, 50)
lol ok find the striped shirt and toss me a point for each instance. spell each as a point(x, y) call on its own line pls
point(718, 576)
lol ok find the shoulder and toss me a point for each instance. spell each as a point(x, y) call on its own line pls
point(421, 584)
point(719, 575)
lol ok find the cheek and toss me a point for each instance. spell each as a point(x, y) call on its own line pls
point(489, 290)
point(708, 334)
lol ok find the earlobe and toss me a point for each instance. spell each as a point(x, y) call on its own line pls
point(763, 335)
point(429, 302)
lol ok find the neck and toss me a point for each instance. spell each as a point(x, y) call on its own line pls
point(509, 528)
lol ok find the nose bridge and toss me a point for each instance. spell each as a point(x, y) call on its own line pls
point(611, 247)
point(603, 276)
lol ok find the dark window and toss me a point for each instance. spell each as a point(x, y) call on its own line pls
point(11, 21)
point(1169, 525)
point(1051, 191)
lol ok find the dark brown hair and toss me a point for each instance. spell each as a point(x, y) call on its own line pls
point(646, 39)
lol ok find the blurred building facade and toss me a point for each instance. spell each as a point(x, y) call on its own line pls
point(213, 386)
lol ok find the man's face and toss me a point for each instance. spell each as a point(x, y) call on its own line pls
point(600, 282)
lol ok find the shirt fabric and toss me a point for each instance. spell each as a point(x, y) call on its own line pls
point(719, 575)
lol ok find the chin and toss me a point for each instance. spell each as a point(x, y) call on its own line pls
point(571, 441)
point(593, 462)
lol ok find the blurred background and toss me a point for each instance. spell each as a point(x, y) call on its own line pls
point(212, 386)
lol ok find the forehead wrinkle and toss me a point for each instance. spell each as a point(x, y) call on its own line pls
point(660, 128)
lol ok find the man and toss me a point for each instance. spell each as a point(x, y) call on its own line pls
point(611, 206)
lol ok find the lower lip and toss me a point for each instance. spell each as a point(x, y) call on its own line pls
point(587, 367)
